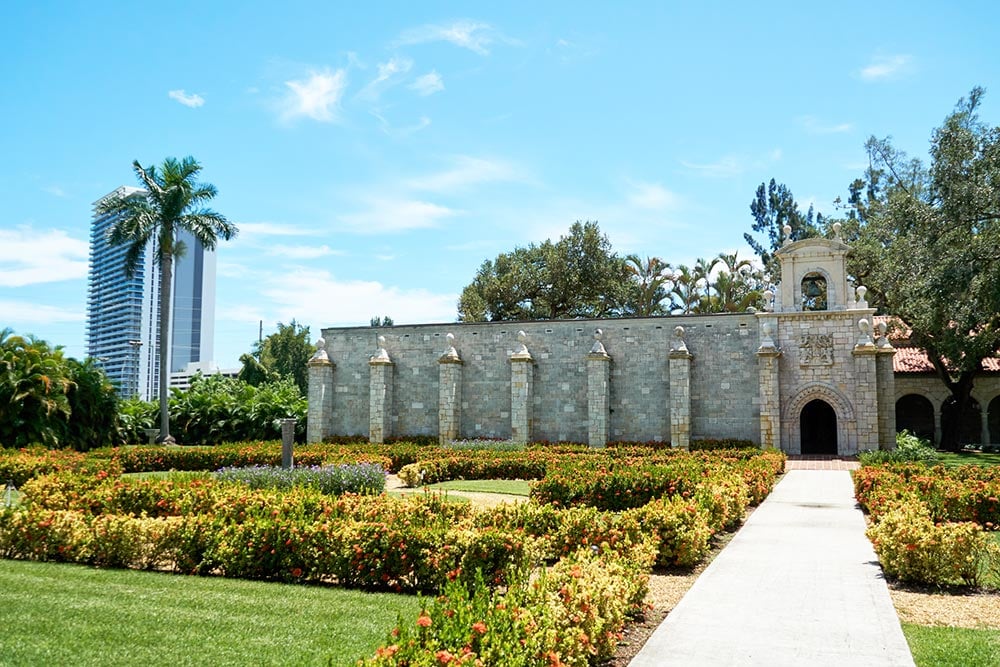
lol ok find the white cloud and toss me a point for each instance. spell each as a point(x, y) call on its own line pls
point(652, 196)
point(315, 97)
point(729, 165)
point(55, 191)
point(813, 125)
point(885, 67)
point(28, 257)
point(403, 131)
point(193, 100)
point(734, 164)
point(428, 84)
point(31, 312)
point(387, 73)
point(272, 229)
point(333, 302)
point(397, 215)
point(302, 251)
point(471, 35)
point(466, 171)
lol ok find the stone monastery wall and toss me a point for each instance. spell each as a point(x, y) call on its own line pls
point(723, 388)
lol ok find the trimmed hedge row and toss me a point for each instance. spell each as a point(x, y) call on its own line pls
point(17, 466)
point(965, 493)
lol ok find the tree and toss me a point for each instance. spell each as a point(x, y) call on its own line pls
point(283, 354)
point(384, 321)
point(173, 202)
point(34, 380)
point(577, 276)
point(650, 284)
point(773, 207)
point(932, 239)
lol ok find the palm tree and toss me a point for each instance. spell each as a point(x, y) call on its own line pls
point(651, 276)
point(174, 202)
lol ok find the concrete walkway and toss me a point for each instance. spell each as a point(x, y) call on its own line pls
point(798, 585)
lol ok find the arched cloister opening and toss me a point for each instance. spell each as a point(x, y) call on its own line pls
point(970, 422)
point(993, 419)
point(915, 413)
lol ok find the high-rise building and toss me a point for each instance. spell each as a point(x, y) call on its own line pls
point(123, 312)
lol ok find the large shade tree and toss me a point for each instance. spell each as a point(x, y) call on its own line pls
point(174, 202)
point(577, 276)
point(931, 238)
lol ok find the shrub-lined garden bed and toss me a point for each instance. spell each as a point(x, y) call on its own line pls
point(565, 574)
point(930, 524)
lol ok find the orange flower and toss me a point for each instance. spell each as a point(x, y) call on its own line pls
point(444, 657)
point(296, 571)
point(424, 621)
point(479, 627)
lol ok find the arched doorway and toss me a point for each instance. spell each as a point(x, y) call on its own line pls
point(970, 428)
point(818, 427)
point(994, 420)
point(915, 413)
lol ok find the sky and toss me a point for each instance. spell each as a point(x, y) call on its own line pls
point(373, 155)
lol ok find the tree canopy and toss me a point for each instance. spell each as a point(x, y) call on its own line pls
point(930, 245)
point(772, 208)
point(283, 354)
point(577, 276)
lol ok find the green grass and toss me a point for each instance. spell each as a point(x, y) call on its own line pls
point(513, 487)
point(952, 647)
point(58, 614)
point(952, 459)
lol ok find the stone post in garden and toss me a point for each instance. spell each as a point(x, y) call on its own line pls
point(886, 389)
point(521, 376)
point(287, 442)
point(320, 415)
point(680, 391)
point(450, 393)
point(598, 384)
point(380, 394)
point(770, 394)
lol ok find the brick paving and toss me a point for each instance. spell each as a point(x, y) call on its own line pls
point(821, 463)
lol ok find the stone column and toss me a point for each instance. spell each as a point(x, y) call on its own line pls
point(380, 394)
point(450, 393)
point(770, 390)
point(320, 413)
point(886, 391)
point(521, 377)
point(866, 391)
point(680, 391)
point(598, 383)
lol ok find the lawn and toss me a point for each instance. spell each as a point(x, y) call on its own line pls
point(74, 615)
point(512, 487)
point(952, 459)
point(952, 647)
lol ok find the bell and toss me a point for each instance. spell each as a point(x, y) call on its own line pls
point(813, 289)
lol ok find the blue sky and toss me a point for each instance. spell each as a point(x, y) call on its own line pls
point(374, 154)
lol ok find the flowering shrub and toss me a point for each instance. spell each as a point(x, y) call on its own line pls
point(365, 478)
point(569, 615)
point(912, 547)
point(966, 493)
point(680, 530)
point(17, 466)
point(908, 448)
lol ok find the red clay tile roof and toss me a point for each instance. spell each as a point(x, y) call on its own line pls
point(913, 359)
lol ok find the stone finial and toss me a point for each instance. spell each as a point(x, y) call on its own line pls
point(451, 354)
point(381, 355)
point(678, 344)
point(521, 352)
point(787, 229)
point(598, 347)
point(768, 301)
point(865, 338)
point(836, 231)
point(767, 331)
point(882, 341)
point(320, 354)
point(861, 291)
